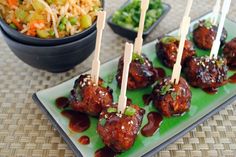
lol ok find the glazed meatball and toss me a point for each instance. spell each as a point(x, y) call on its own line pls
point(119, 131)
point(205, 34)
point(141, 72)
point(206, 73)
point(172, 99)
point(88, 98)
point(167, 49)
point(229, 52)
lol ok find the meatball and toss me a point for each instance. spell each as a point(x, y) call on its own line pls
point(172, 99)
point(206, 73)
point(229, 52)
point(167, 49)
point(88, 98)
point(141, 72)
point(205, 33)
point(119, 131)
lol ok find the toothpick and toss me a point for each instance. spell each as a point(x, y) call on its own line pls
point(183, 35)
point(127, 60)
point(216, 11)
point(186, 14)
point(139, 40)
point(216, 44)
point(101, 18)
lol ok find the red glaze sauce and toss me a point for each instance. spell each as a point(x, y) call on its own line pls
point(160, 72)
point(105, 152)
point(84, 140)
point(79, 122)
point(211, 90)
point(62, 102)
point(147, 98)
point(154, 122)
point(232, 79)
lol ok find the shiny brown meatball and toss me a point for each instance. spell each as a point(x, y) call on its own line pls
point(141, 72)
point(89, 98)
point(167, 47)
point(172, 99)
point(119, 131)
point(229, 52)
point(206, 73)
point(205, 34)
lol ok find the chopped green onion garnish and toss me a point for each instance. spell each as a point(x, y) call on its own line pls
point(165, 89)
point(137, 57)
point(130, 111)
point(168, 40)
point(208, 24)
point(128, 17)
point(111, 110)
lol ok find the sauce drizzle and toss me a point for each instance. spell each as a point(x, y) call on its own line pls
point(154, 122)
point(105, 152)
point(84, 140)
point(79, 122)
point(232, 79)
point(62, 102)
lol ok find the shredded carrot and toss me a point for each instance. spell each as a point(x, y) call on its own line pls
point(18, 24)
point(12, 3)
point(32, 28)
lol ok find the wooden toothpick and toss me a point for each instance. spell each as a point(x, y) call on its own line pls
point(216, 11)
point(101, 18)
point(216, 44)
point(127, 60)
point(139, 40)
point(186, 14)
point(183, 34)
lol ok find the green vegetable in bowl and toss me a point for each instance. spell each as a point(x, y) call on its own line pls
point(13, 26)
point(21, 14)
point(43, 34)
point(128, 17)
point(73, 20)
point(85, 21)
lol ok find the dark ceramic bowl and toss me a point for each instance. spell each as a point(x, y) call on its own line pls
point(25, 39)
point(59, 58)
point(131, 34)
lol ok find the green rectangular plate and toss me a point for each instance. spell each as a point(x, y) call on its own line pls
point(203, 106)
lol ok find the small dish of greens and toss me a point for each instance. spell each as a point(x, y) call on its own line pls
point(125, 21)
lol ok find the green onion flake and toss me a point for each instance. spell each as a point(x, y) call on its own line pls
point(111, 110)
point(128, 17)
point(130, 111)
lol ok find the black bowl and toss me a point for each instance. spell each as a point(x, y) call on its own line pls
point(131, 34)
point(59, 58)
point(25, 39)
